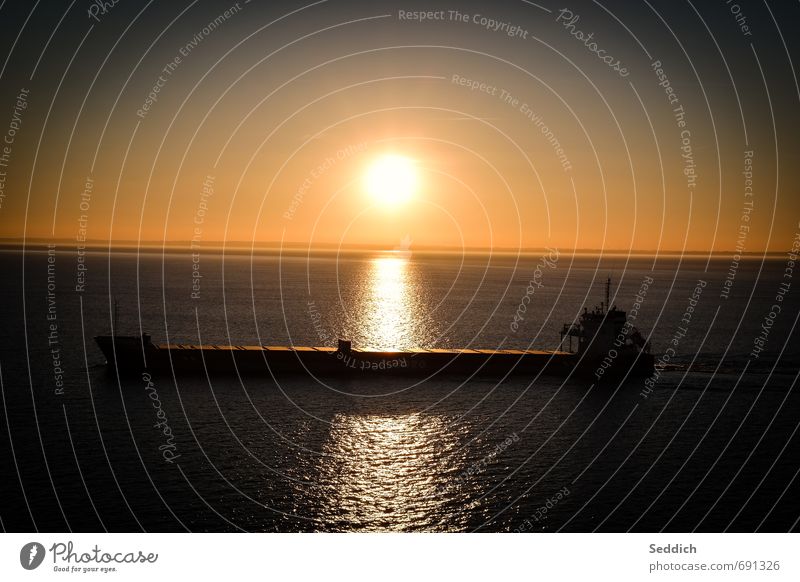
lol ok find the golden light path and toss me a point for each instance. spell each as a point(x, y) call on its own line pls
point(388, 305)
point(382, 469)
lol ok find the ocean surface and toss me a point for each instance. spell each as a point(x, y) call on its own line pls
point(710, 445)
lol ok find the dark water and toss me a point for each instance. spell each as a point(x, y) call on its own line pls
point(713, 446)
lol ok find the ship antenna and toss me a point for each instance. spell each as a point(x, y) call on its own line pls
point(608, 293)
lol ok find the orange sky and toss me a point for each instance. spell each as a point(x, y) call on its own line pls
point(259, 134)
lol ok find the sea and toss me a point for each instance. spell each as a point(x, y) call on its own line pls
point(709, 443)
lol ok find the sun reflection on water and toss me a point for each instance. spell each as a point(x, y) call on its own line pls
point(389, 307)
point(384, 472)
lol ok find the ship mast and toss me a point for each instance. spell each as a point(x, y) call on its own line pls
point(608, 293)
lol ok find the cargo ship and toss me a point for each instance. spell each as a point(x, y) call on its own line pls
point(606, 345)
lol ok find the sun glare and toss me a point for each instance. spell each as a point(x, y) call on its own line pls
point(391, 179)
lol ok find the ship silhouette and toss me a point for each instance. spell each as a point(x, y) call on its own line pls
point(607, 346)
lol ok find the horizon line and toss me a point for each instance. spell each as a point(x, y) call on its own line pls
point(294, 247)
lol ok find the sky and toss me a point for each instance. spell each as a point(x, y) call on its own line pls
point(645, 126)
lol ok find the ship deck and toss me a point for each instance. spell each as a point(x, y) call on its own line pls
point(362, 351)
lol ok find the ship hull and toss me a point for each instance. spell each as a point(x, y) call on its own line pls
point(134, 355)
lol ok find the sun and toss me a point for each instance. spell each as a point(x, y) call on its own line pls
point(391, 179)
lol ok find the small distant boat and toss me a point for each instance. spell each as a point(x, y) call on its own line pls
point(607, 346)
